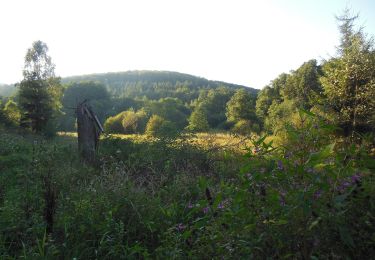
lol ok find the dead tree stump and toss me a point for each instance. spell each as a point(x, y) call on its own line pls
point(89, 130)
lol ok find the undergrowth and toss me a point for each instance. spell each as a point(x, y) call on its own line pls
point(311, 197)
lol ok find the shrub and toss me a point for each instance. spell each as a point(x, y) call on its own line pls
point(159, 127)
point(127, 122)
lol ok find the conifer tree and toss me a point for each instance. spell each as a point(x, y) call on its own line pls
point(349, 79)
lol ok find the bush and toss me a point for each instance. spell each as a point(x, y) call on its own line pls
point(127, 122)
point(159, 127)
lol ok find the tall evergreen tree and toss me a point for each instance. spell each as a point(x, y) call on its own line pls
point(40, 92)
point(349, 79)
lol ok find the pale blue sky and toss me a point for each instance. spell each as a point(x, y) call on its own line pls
point(239, 41)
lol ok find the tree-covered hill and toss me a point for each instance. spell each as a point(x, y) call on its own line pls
point(154, 84)
point(7, 90)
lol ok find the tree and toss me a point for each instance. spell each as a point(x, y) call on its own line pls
point(159, 127)
point(303, 86)
point(269, 94)
point(241, 106)
point(171, 109)
point(214, 103)
point(349, 79)
point(198, 120)
point(40, 91)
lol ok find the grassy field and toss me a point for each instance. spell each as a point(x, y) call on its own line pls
point(207, 141)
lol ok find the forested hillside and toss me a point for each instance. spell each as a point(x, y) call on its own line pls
point(136, 96)
point(7, 90)
point(154, 84)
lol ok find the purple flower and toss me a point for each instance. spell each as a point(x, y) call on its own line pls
point(317, 194)
point(282, 198)
point(343, 186)
point(356, 178)
point(280, 165)
point(223, 204)
point(180, 227)
point(205, 210)
point(190, 206)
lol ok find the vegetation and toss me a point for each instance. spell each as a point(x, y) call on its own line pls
point(284, 173)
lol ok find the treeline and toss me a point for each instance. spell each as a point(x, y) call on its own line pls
point(213, 108)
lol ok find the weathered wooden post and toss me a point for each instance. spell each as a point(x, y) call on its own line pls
point(89, 130)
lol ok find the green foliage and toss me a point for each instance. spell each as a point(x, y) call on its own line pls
point(134, 122)
point(279, 114)
point(213, 102)
point(240, 110)
point(171, 109)
point(164, 198)
point(240, 107)
point(39, 91)
point(159, 127)
point(268, 95)
point(127, 122)
point(303, 86)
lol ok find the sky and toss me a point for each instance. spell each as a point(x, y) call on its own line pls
point(247, 42)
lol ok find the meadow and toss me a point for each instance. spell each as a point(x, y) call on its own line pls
point(163, 198)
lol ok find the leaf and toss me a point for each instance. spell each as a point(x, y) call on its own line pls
point(307, 112)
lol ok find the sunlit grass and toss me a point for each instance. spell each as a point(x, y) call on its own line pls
point(208, 141)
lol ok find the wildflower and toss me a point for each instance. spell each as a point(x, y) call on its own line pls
point(356, 178)
point(190, 206)
point(317, 194)
point(282, 198)
point(343, 186)
point(180, 227)
point(205, 210)
point(223, 204)
point(287, 155)
point(280, 165)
